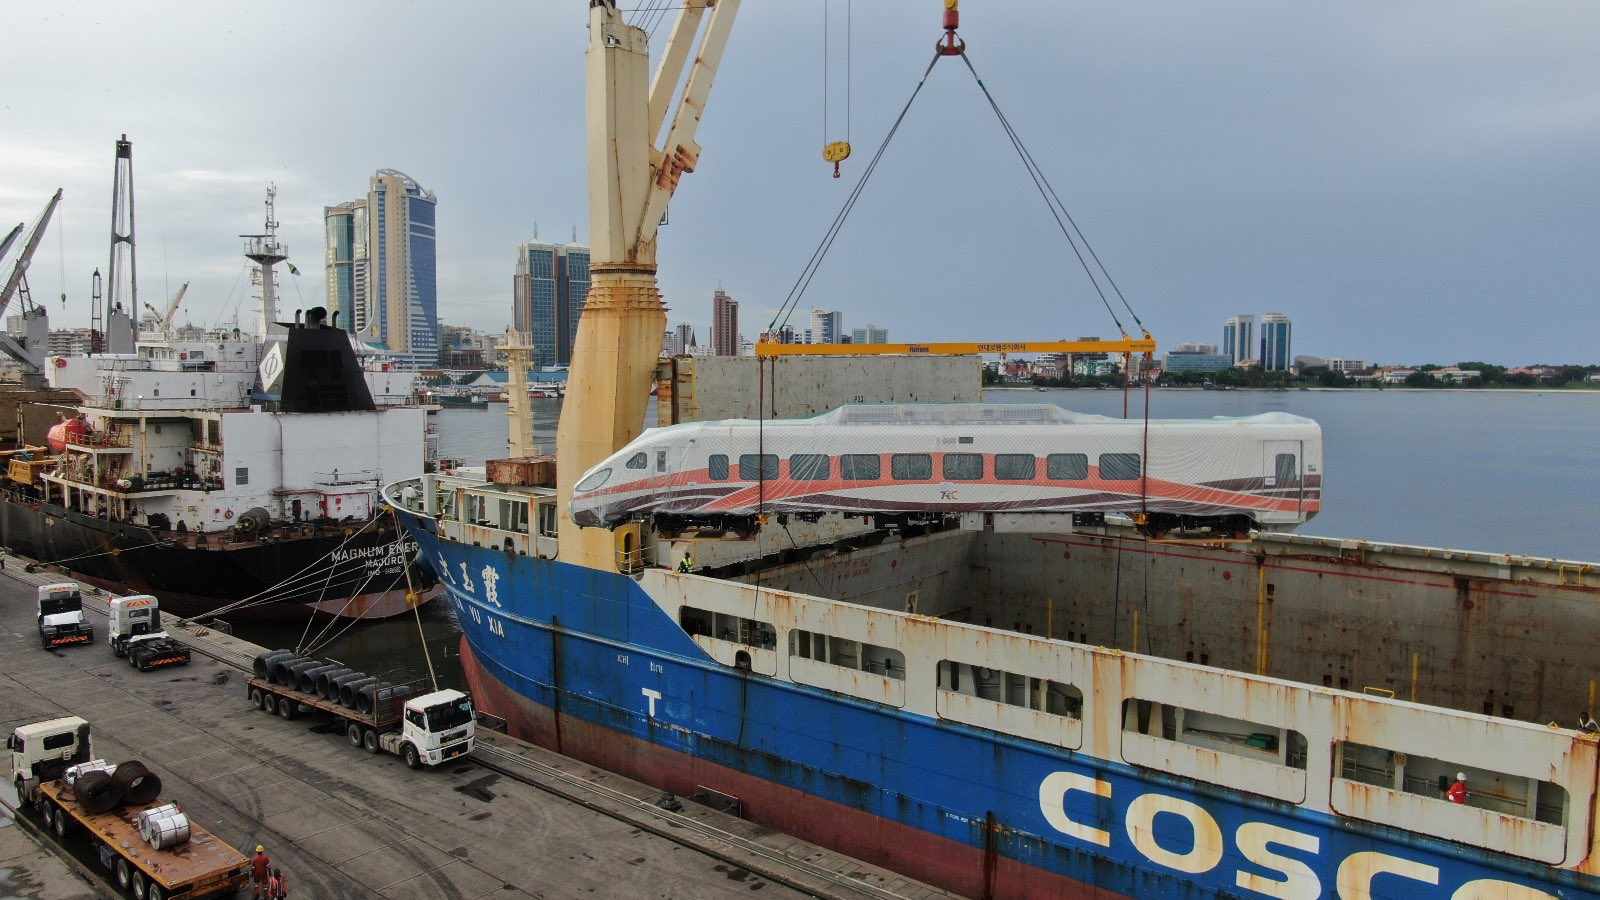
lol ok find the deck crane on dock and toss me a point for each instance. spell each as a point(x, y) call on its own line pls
point(29, 352)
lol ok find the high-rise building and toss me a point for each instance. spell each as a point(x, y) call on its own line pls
point(871, 334)
point(827, 326)
point(383, 267)
point(549, 292)
point(1275, 352)
point(724, 324)
point(680, 340)
point(1239, 338)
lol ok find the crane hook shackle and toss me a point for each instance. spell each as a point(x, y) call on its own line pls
point(950, 44)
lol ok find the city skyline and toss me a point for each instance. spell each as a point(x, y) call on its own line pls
point(1218, 158)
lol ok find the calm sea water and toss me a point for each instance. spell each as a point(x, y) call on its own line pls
point(1504, 472)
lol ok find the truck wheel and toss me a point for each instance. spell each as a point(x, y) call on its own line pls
point(354, 734)
point(286, 707)
point(369, 740)
point(258, 699)
point(139, 888)
point(124, 874)
point(154, 892)
point(60, 823)
point(409, 754)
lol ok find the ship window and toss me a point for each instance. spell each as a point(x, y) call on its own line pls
point(753, 467)
point(1056, 698)
point(241, 475)
point(593, 480)
point(1252, 740)
point(1067, 466)
point(1015, 466)
point(547, 519)
point(1119, 466)
point(717, 467)
point(639, 460)
point(911, 466)
point(845, 653)
point(963, 467)
point(730, 628)
point(810, 467)
point(1510, 795)
point(860, 467)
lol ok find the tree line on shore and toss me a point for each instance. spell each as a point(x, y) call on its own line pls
point(1489, 375)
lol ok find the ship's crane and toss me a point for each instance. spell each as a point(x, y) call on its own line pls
point(162, 322)
point(29, 352)
point(630, 181)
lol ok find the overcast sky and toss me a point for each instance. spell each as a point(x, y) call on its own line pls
point(1412, 182)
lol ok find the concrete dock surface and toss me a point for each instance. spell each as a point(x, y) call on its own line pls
point(512, 821)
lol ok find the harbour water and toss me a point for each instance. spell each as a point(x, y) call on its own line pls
point(1504, 472)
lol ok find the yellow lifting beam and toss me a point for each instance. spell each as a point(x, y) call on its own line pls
point(770, 348)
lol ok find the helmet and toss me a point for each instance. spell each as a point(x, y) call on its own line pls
point(260, 849)
point(1461, 776)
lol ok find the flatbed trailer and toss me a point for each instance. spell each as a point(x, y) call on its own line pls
point(423, 729)
point(204, 866)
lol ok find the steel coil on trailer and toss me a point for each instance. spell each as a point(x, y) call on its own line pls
point(145, 818)
point(137, 784)
point(97, 792)
point(295, 670)
point(365, 697)
point(336, 686)
point(308, 678)
point(263, 663)
point(394, 692)
point(169, 832)
point(278, 669)
point(325, 680)
point(351, 690)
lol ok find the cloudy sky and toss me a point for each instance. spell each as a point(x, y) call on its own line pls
point(1409, 182)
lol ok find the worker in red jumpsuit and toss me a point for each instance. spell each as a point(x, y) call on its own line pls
point(277, 885)
point(260, 868)
point(1458, 791)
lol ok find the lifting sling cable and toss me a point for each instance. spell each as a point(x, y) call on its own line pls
point(787, 308)
point(1052, 200)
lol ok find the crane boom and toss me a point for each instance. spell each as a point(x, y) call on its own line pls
point(10, 239)
point(1125, 345)
point(21, 267)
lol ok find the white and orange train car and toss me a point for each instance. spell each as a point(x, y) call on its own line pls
point(909, 461)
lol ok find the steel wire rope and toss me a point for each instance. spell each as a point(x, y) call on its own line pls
point(1053, 201)
point(809, 272)
point(324, 639)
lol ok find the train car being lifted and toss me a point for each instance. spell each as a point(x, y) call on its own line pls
point(910, 461)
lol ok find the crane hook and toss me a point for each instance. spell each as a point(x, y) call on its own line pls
point(951, 44)
point(836, 152)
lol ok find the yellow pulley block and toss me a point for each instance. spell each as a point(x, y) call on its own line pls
point(836, 152)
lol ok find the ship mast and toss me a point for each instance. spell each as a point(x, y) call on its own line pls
point(266, 252)
point(630, 182)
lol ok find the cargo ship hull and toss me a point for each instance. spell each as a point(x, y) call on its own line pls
point(597, 666)
point(283, 573)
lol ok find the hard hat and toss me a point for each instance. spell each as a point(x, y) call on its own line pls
point(260, 849)
point(1461, 776)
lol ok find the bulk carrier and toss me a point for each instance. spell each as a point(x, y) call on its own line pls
point(1010, 704)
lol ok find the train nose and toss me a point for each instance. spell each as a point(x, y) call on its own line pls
point(584, 516)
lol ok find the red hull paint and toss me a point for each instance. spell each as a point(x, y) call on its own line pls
point(938, 861)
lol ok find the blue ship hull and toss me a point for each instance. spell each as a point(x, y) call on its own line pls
point(585, 662)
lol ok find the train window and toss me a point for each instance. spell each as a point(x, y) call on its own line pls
point(1287, 472)
point(963, 466)
point(592, 482)
point(860, 467)
point(810, 467)
point(753, 467)
point(1015, 466)
point(661, 460)
point(639, 460)
point(911, 466)
point(717, 467)
point(1067, 466)
point(1119, 466)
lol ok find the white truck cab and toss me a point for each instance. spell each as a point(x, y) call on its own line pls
point(61, 619)
point(42, 751)
point(436, 727)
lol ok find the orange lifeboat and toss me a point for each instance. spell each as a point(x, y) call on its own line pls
point(67, 431)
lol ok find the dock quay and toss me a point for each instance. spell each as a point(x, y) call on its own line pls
point(511, 820)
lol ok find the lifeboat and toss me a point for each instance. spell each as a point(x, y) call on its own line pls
point(67, 431)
